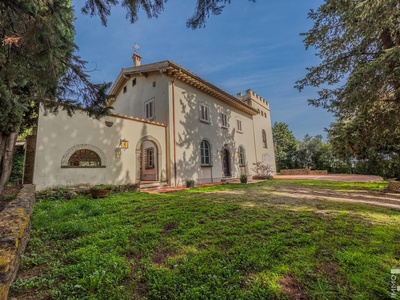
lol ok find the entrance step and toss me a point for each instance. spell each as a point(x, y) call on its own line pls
point(147, 186)
point(228, 179)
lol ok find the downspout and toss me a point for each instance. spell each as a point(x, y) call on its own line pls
point(173, 123)
point(254, 137)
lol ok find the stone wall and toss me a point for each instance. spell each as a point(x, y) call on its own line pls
point(15, 221)
point(294, 171)
point(303, 172)
point(318, 172)
point(394, 186)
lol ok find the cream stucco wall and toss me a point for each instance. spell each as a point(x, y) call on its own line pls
point(57, 134)
point(132, 102)
point(190, 131)
point(177, 142)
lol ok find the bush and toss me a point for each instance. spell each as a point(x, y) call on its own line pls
point(262, 171)
point(18, 166)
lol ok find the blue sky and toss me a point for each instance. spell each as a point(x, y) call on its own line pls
point(250, 45)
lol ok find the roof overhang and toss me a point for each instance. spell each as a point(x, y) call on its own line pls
point(175, 71)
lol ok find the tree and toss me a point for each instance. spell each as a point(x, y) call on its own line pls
point(285, 146)
point(153, 8)
point(359, 46)
point(37, 66)
point(313, 153)
point(377, 154)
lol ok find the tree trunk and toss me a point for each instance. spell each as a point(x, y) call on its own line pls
point(7, 144)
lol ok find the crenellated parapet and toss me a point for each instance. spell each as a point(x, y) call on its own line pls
point(253, 99)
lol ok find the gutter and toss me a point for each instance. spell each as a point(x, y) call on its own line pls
point(173, 123)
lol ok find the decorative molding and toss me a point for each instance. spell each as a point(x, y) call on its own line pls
point(72, 150)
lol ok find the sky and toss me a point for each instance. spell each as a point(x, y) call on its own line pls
point(250, 45)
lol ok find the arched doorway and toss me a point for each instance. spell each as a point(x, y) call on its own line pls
point(148, 161)
point(226, 162)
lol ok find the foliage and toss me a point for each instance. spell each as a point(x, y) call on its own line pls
point(285, 146)
point(18, 166)
point(359, 46)
point(38, 67)
point(313, 153)
point(153, 8)
point(222, 242)
point(378, 155)
point(243, 176)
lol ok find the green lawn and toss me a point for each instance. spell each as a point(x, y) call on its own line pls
point(222, 242)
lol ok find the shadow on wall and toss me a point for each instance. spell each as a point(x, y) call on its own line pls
point(58, 133)
point(193, 132)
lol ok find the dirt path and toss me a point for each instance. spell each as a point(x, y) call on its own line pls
point(334, 177)
point(391, 200)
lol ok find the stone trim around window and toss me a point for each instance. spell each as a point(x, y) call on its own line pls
point(72, 150)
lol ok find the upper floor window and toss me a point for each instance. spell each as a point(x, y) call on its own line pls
point(124, 89)
point(84, 158)
point(205, 153)
point(149, 158)
point(204, 112)
point(224, 120)
point(149, 109)
point(264, 138)
point(133, 81)
point(242, 160)
point(239, 125)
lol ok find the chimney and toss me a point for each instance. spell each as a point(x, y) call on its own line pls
point(136, 60)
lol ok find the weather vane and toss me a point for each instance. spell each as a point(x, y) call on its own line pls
point(136, 48)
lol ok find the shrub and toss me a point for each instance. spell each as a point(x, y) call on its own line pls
point(262, 171)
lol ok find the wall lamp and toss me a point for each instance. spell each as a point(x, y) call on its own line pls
point(124, 144)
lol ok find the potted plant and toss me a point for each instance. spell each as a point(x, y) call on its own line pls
point(100, 191)
point(243, 178)
point(189, 183)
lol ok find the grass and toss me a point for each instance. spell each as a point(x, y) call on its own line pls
point(223, 242)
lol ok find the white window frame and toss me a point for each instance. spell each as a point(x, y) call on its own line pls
point(204, 112)
point(149, 109)
point(239, 125)
point(205, 157)
point(149, 158)
point(241, 156)
point(224, 120)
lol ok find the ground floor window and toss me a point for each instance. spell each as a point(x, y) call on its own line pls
point(84, 158)
point(205, 153)
point(242, 161)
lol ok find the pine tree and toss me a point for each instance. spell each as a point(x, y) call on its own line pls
point(359, 46)
point(37, 67)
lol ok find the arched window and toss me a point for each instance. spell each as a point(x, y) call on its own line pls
point(264, 138)
point(205, 153)
point(242, 159)
point(84, 158)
